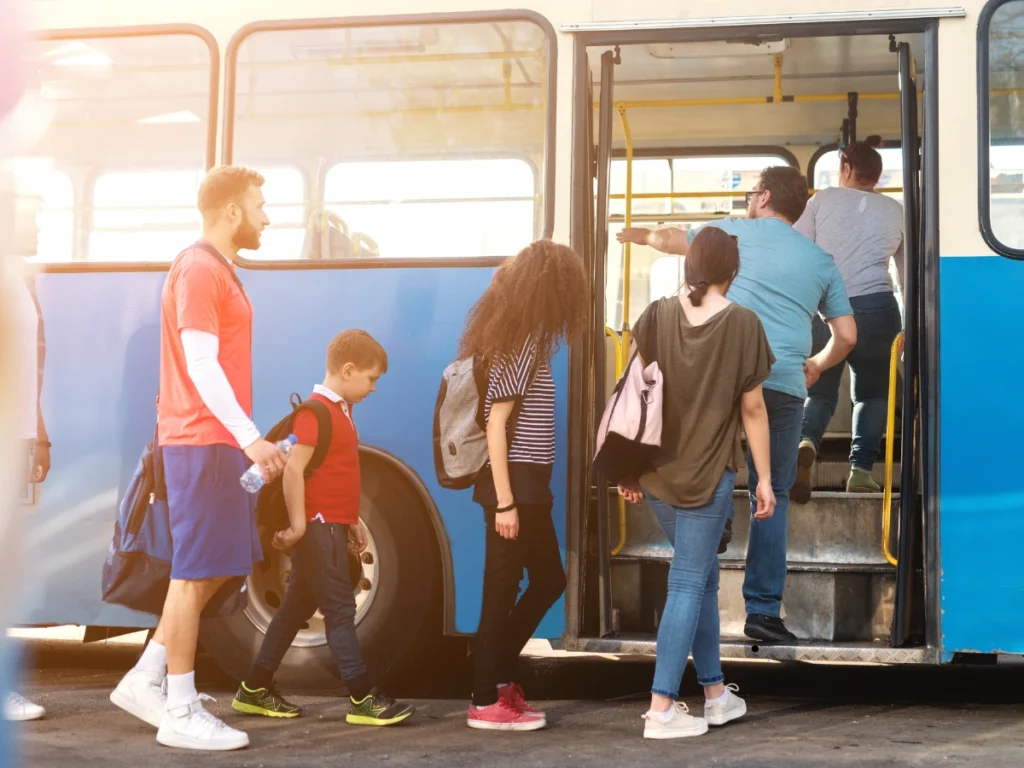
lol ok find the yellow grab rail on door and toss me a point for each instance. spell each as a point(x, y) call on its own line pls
point(890, 432)
point(622, 502)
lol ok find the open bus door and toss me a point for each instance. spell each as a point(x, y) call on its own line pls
point(907, 625)
point(603, 157)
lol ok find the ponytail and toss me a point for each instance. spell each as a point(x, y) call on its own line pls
point(697, 293)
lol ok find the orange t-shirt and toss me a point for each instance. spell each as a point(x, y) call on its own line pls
point(201, 295)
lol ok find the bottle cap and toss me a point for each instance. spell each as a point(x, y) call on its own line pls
point(293, 439)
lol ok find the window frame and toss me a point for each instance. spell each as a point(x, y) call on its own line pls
point(826, 149)
point(210, 155)
point(985, 136)
point(547, 184)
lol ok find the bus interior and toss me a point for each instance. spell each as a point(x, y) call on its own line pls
point(681, 131)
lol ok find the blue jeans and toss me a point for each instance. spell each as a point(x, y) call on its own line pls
point(319, 579)
point(878, 324)
point(690, 619)
point(765, 575)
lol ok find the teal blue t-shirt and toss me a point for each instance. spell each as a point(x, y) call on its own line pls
point(785, 279)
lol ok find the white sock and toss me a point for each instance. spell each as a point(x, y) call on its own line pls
point(181, 690)
point(154, 658)
point(720, 700)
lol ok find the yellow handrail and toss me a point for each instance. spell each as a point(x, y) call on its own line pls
point(622, 502)
point(890, 431)
point(710, 193)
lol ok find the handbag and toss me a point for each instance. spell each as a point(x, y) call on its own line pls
point(137, 569)
point(629, 435)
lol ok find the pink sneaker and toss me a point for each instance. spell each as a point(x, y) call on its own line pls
point(502, 716)
point(513, 694)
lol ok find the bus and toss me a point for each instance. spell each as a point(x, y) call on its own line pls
point(406, 154)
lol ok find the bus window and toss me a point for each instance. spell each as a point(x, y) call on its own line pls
point(433, 136)
point(120, 103)
point(1006, 125)
point(151, 215)
point(55, 219)
point(447, 207)
point(652, 274)
point(825, 171)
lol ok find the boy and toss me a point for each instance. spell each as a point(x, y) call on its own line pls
point(323, 514)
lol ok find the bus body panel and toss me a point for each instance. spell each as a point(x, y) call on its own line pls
point(101, 380)
point(981, 509)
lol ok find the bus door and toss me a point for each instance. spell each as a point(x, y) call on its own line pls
point(602, 171)
point(907, 624)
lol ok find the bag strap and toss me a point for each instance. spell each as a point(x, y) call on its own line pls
point(649, 353)
point(324, 430)
point(204, 246)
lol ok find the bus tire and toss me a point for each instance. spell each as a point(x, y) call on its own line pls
point(403, 619)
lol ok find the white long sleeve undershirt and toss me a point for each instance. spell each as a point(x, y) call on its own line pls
point(201, 351)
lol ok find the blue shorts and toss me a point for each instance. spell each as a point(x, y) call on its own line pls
point(213, 518)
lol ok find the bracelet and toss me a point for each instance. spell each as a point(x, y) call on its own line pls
point(509, 508)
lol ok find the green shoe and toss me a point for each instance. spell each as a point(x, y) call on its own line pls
point(860, 481)
point(263, 701)
point(377, 709)
point(800, 493)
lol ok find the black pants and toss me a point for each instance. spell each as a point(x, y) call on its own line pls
point(505, 624)
point(319, 580)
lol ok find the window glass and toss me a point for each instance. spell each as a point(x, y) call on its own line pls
point(1006, 124)
point(708, 188)
point(118, 103)
point(433, 135)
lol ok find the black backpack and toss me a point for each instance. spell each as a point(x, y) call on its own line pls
point(271, 511)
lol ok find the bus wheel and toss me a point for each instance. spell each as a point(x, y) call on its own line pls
point(397, 587)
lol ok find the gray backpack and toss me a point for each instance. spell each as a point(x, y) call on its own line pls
point(460, 430)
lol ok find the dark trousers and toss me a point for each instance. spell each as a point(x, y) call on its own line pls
point(319, 580)
point(505, 623)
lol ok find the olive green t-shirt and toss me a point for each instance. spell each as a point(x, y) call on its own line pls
point(706, 370)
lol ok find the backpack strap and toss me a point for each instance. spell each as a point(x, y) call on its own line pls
point(324, 431)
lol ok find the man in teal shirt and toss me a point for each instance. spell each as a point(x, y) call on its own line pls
point(786, 280)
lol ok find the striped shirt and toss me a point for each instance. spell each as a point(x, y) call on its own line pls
point(534, 439)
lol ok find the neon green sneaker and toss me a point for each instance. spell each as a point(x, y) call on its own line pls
point(263, 701)
point(377, 709)
point(860, 481)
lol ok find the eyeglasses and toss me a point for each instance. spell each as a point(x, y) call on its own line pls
point(750, 195)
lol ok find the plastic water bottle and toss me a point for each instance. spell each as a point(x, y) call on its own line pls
point(253, 478)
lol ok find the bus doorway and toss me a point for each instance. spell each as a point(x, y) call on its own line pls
point(682, 128)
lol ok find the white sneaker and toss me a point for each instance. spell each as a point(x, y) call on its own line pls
point(142, 694)
point(192, 727)
point(732, 708)
point(679, 724)
point(17, 707)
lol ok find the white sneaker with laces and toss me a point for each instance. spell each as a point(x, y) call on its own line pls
point(191, 727)
point(17, 707)
point(732, 708)
point(142, 694)
point(678, 725)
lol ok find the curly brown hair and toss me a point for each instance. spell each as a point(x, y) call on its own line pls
point(540, 294)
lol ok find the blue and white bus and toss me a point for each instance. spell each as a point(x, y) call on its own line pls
point(435, 144)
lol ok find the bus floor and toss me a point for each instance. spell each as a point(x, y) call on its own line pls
point(798, 715)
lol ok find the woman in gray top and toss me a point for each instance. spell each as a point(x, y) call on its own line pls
point(863, 230)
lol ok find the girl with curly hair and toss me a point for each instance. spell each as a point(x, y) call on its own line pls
point(536, 302)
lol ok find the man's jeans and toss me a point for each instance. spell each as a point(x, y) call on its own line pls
point(878, 324)
point(765, 575)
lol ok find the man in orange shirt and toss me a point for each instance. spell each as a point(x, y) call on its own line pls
point(208, 441)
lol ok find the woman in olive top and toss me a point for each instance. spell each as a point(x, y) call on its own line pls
point(713, 355)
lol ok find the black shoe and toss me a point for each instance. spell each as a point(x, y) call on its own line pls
point(767, 629)
point(377, 709)
point(723, 544)
point(263, 701)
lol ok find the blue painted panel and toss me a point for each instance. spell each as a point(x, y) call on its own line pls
point(101, 381)
point(981, 423)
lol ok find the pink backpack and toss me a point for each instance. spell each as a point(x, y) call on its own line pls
point(629, 436)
